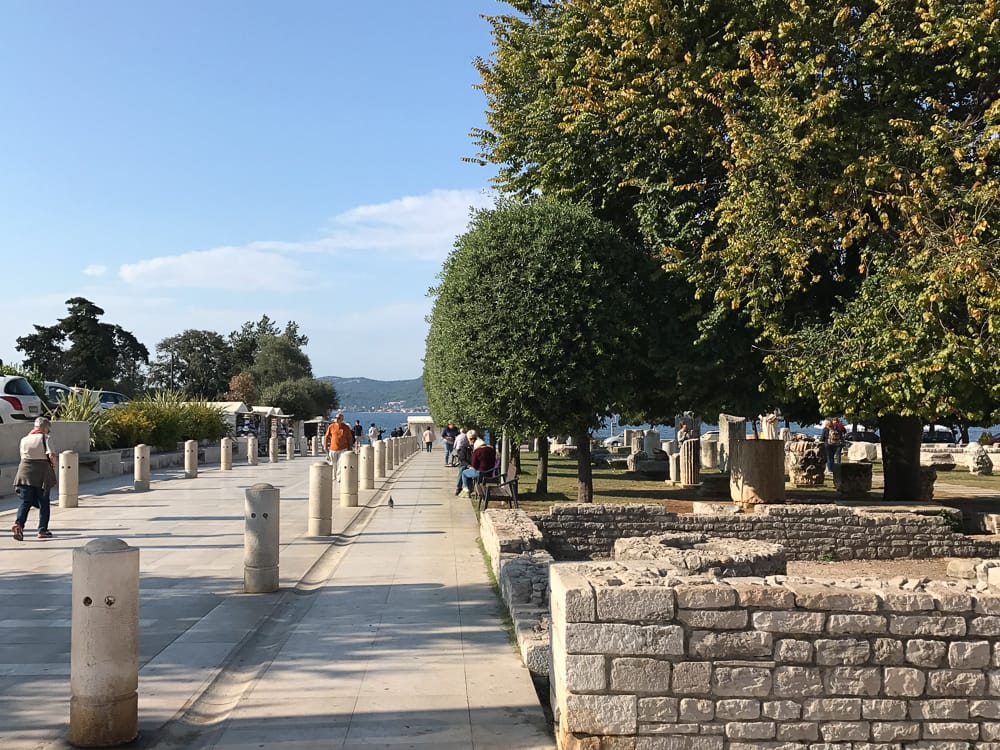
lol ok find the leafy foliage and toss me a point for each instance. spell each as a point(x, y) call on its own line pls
point(164, 419)
point(304, 397)
point(196, 362)
point(85, 406)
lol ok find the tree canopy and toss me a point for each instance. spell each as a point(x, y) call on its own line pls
point(533, 322)
point(196, 362)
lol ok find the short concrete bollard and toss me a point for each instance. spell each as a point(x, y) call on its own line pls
point(396, 452)
point(348, 479)
point(272, 450)
point(261, 538)
point(69, 479)
point(320, 500)
point(104, 644)
point(226, 454)
point(252, 450)
point(388, 455)
point(314, 446)
point(367, 471)
point(191, 459)
point(290, 448)
point(380, 459)
point(140, 471)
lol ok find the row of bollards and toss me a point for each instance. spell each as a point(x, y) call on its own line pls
point(104, 649)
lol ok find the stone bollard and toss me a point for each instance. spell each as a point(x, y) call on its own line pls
point(69, 479)
point(261, 537)
point(191, 459)
point(290, 448)
point(272, 450)
point(348, 479)
point(320, 499)
point(226, 454)
point(252, 450)
point(388, 455)
point(367, 471)
point(104, 644)
point(651, 442)
point(690, 469)
point(380, 459)
point(314, 446)
point(710, 451)
point(397, 451)
point(732, 434)
point(140, 460)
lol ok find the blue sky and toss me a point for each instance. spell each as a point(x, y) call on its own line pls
point(195, 165)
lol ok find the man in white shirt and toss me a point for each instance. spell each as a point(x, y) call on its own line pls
point(35, 478)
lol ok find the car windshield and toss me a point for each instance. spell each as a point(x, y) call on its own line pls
point(19, 387)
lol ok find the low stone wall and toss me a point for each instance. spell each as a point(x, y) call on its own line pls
point(806, 532)
point(648, 661)
point(698, 553)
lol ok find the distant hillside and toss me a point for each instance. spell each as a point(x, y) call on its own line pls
point(365, 394)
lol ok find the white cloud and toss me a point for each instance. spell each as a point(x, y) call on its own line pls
point(235, 268)
point(95, 269)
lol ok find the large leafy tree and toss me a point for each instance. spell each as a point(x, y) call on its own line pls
point(303, 397)
point(83, 350)
point(533, 322)
point(195, 361)
point(825, 175)
point(279, 358)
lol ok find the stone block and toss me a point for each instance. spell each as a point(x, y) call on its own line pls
point(733, 709)
point(845, 731)
point(664, 710)
point(895, 731)
point(572, 594)
point(741, 681)
point(841, 651)
point(715, 619)
point(837, 624)
point(793, 651)
point(585, 673)
point(817, 596)
point(832, 709)
point(923, 653)
point(951, 730)
point(705, 597)
point(709, 645)
point(908, 601)
point(943, 626)
point(939, 709)
point(790, 622)
point(600, 714)
point(692, 677)
point(635, 675)
point(624, 640)
point(904, 682)
point(986, 625)
point(883, 709)
point(764, 597)
point(798, 731)
point(679, 743)
point(888, 651)
point(984, 709)
point(635, 603)
point(781, 710)
point(751, 730)
point(854, 681)
point(969, 654)
point(956, 682)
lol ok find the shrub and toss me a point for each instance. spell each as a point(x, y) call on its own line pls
point(132, 424)
point(85, 406)
point(199, 421)
point(164, 419)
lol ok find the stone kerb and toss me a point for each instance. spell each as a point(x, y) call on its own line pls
point(699, 553)
point(646, 659)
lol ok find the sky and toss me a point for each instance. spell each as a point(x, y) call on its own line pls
point(190, 165)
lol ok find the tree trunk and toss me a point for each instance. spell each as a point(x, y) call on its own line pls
point(584, 474)
point(901, 457)
point(542, 479)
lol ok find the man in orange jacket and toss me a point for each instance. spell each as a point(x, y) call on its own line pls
point(338, 439)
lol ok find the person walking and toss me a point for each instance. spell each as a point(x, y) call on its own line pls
point(338, 438)
point(35, 478)
point(428, 439)
point(373, 433)
point(833, 439)
point(358, 431)
point(448, 436)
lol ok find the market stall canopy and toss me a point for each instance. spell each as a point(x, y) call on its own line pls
point(271, 411)
point(231, 407)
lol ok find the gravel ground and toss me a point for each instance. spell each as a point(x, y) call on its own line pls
point(933, 568)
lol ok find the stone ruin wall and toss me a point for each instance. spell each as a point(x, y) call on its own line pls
point(807, 532)
point(644, 660)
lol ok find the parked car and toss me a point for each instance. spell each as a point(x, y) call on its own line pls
point(18, 400)
point(612, 441)
point(938, 434)
point(55, 394)
point(862, 436)
point(108, 399)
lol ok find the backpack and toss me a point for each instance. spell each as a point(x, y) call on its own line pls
point(835, 435)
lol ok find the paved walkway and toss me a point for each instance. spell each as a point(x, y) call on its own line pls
point(386, 635)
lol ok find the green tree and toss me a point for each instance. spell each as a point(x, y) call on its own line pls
point(196, 362)
point(303, 397)
point(242, 387)
point(246, 341)
point(279, 359)
point(532, 321)
point(82, 350)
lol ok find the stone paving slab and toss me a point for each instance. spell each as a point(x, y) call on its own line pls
point(385, 637)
